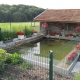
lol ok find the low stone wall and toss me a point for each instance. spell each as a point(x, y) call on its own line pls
point(63, 37)
point(73, 64)
point(17, 42)
point(29, 40)
point(66, 72)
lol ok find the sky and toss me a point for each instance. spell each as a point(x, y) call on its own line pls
point(46, 4)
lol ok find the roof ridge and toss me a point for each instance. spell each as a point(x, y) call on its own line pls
point(63, 9)
point(40, 14)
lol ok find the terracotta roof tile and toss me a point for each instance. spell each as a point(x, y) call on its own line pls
point(69, 15)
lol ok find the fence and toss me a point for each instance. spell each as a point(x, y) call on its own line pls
point(44, 63)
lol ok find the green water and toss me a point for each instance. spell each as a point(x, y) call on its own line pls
point(53, 45)
point(42, 48)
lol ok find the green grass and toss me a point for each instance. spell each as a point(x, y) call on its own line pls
point(25, 66)
point(77, 76)
point(20, 26)
point(9, 30)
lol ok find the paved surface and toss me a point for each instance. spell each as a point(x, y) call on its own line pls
point(76, 67)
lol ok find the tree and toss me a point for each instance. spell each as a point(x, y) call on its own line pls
point(18, 13)
point(19, 17)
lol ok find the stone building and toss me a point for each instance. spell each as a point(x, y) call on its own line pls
point(61, 22)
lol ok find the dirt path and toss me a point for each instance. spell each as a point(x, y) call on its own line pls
point(34, 73)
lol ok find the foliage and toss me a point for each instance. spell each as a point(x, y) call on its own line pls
point(2, 66)
point(7, 35)
point(0, 35)
point(14, 58)
point(2, 55)
point(27, 31)
point(77, 76)
point(25, 65)
point(9, 30)
point(18, 13)
point(2, 59)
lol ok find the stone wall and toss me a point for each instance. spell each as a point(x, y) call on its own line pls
point(68, 28)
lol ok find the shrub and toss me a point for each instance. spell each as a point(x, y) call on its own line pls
point(27, 31)
point(7, 35)
point(2, 55)
point(2, 66)
point(14, 58)
point(0, 35)
point(2, 59)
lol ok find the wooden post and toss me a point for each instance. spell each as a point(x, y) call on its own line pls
point(31, 24)
point(10, 25)
point(0, 35)
point(67, 27)
point(34, 23)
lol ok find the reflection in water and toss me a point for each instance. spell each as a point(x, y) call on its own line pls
point(36, 49)
point(31, 49)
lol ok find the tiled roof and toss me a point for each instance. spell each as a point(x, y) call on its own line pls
point(65, 15)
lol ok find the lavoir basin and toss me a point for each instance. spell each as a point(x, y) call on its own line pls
point(60, 48)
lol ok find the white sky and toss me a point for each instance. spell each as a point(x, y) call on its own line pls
point(50, 4)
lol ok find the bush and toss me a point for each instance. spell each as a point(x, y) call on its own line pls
point(14, 58)
point(2, 66)
point(7, 35)
point(2, 59)
point(0, 35)
point(27, 31)
point(2, 55)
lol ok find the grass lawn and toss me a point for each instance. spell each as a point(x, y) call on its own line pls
point(19, 26)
